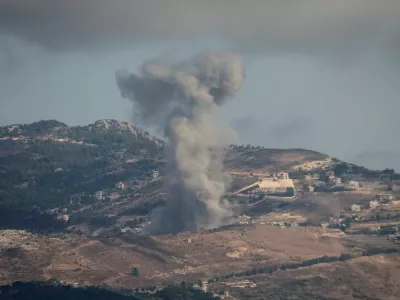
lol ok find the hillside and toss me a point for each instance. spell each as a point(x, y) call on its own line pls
point(84, 178)
point(74, 201)
point(48, 166)
point(45, 154)
point(373, 277)
point(258, 159)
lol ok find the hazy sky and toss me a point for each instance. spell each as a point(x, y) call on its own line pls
point(323, 75)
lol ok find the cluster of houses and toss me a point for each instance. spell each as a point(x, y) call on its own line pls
point(333, 182)
point(63, 217)
point(282, 224)
point(378, 200)
point(243, 219)
point(391, 231)
point(134, 229)
point(120, 186)
point(336, 220)
point(317, 164)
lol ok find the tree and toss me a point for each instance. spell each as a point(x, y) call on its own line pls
point(135, 272)
point(339, 169)
point(152, 288)
point(344, 257)
point(200, 283)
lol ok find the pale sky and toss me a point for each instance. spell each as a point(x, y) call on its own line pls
point(322, 75)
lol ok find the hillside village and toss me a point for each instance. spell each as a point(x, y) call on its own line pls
point(135, 178)
point(378, 207)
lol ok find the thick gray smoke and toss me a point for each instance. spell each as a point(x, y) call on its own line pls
point(181, 100)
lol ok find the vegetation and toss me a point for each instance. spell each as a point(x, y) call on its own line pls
point(34, 220)
point(340, 168)
point(297, 175)
point(375, 251)
point(46, 165)
point(135, 272)
point(54, 290)
point(143, 209)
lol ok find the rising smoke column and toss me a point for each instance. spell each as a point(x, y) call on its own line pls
point(181, 100)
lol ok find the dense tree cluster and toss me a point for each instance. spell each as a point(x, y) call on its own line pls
point(54, 290)
point(14, 218)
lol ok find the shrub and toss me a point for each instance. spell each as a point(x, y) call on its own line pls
point(135, 272)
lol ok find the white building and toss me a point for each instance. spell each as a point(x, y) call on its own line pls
point(294, 225)
point(383, 197)
point(65, 218)
point(281, 175)
point(355, 208)
point(244, 219)
point(336, 180)
point(353, 184)
point(144, 152)
point(120, 185)
point(373, 204)
point(99, 195)
point(155, 173)
point(131, 160)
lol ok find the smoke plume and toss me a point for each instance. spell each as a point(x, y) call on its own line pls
point(181, 100)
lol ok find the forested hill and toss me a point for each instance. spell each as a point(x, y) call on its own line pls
point(45, 163)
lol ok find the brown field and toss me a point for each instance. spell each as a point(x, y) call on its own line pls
point(163, 258)
point(373, 277)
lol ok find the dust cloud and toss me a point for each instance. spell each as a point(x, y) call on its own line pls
point(181, 100)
